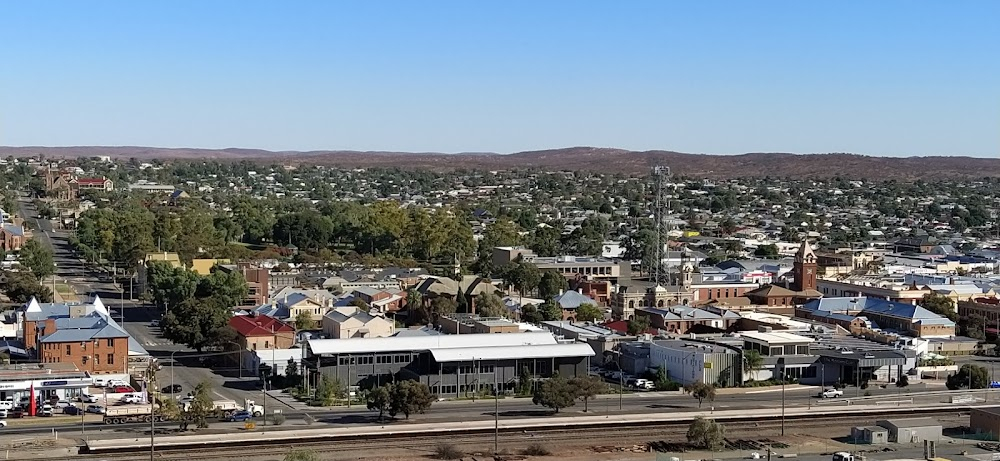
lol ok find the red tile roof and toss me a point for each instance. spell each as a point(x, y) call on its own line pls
point(91, 180)
point(259, 325)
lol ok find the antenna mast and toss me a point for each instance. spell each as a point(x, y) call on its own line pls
point(661, 172)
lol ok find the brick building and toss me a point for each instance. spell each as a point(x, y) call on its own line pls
point(81, 334)
point(11, 237)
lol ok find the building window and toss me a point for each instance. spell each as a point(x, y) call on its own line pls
point(68, 352)
point(111, 342)
point(111, 359)
point(97, 360)
point(267, 344)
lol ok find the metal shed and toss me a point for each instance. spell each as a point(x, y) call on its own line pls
point(912, 430)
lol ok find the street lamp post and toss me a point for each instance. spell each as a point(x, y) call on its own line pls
point(172, 370)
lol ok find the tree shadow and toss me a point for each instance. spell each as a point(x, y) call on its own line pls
point(524, 413)
point(354, 419)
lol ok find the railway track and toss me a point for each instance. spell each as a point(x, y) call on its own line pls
point(483, 442)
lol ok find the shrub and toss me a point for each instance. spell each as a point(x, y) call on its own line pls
point(301, 455)
point(278, 419)
point(536, 449)
point(447, 451)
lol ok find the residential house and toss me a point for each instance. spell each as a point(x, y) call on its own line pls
point(569, 301)
point(383, 301)
point(351, 322)
point(260, 332)
point(102, 184)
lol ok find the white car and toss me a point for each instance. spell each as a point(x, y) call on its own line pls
point(132, 398)
point(831, 393)
point(88, 398)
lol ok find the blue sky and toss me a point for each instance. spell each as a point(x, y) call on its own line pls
point(881, 78)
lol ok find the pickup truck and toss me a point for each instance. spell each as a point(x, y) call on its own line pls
point(831, 393)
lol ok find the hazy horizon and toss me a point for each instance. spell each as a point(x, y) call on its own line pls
point(887, 79)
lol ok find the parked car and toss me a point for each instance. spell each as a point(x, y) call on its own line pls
point(831, 393)
point(117, 383)
point(3, 414)
point(17, 412)
point(154, 323)
point(46, 410)
point(98, 409)
point(88, 398)
point(172, 389)
point(72, 410)
point(60, 404)
point(241, 416)
point(122, 389)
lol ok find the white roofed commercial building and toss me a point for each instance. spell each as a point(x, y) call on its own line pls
point(451, 365)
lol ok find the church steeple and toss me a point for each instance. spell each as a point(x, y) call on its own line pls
point(804, 268)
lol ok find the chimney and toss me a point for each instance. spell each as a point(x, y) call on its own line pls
point(50, 326)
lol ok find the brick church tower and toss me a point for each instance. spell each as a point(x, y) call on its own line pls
point(804, 268)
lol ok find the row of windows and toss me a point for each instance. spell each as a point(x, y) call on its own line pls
point(467, 369)
point(601, 270)
point(381, 359)
point(69, 346)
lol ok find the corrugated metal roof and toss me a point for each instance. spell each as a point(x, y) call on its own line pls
point(512, 352)
point(423, 343)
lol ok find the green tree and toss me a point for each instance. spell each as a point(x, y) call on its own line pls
point(701, 392)
point(329, 390)
point(170, 285)
point(753, 362)
point(587, 387)
point(304, 321)
point(551, 285)
point(228, 287)
point(380, 399)
point(36, 258)
point(545, 241)
point(490, 305)
point(555, 393)
point(969, 377)
point(530, 314)
point(524, 381)
point(202, 406)
point(551, 311)
point(442, 305)
point(663, 381)
point(940, 305)
point(197, 323)
point(638, 325)
point(766, 251)
point(588, 313)
point(523, 276)
point(408, 397)
point(706, 434)
point(20, 287)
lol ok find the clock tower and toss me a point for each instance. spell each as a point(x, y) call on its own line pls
point(804, 268)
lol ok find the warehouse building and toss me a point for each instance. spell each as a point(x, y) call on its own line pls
point(451, 365)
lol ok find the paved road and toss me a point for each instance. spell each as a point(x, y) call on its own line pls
point(135, 317)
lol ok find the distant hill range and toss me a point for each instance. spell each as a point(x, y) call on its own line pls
point(578, 158)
